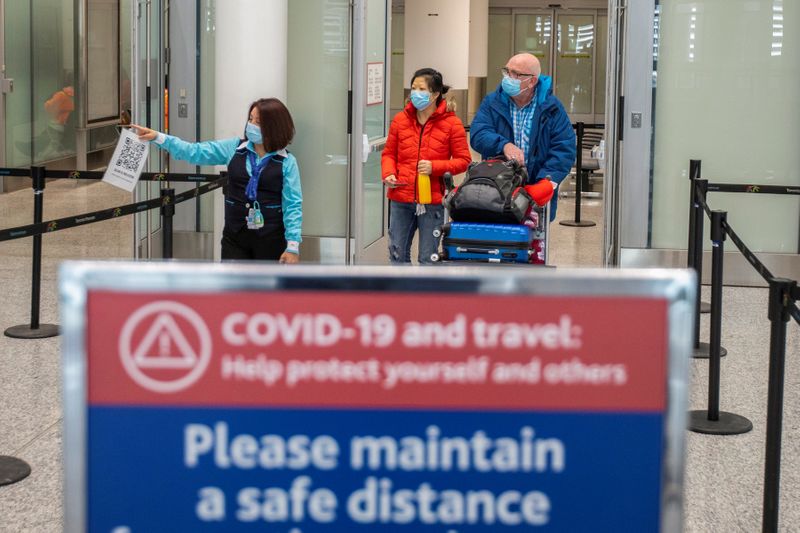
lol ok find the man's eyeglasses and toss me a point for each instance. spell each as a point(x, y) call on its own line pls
point(516, 75)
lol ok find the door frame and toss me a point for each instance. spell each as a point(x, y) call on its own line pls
point(554, 14)
point(148, 17)
point(2, 93)
point(360, 147)
point(551, 12)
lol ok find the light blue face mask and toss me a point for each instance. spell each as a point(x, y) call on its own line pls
point(253, 133)
point(511, 86)
point(420, 99)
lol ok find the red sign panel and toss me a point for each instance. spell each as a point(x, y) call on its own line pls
point(368, 350)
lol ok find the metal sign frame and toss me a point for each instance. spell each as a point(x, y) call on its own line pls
point(77, 279)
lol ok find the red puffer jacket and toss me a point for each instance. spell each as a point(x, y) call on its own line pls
point(442, 141)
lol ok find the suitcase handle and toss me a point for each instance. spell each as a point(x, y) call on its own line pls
point(464, 250)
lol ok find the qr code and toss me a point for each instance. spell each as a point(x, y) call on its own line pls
point(132, 153)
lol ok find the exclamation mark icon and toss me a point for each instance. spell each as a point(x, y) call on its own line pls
point(163, 345)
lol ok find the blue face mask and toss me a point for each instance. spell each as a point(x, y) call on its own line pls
point(420, 99)
point(511, 86)
point(253, 133)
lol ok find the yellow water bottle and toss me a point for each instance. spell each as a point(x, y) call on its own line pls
point(423, 188)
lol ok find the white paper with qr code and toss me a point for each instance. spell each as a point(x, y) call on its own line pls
point(127, 162)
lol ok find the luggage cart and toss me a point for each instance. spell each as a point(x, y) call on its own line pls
point(494, 243)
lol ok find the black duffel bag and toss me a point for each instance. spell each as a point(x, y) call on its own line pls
point(492, 192)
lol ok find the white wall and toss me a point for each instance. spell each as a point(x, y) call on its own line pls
point(245, 72)
point(478, 38)
point(437, 36)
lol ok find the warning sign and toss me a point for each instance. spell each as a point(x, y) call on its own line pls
point(380, 403)
point(163, 359)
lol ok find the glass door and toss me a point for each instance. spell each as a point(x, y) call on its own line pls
point(533, 33)
point(574, 64)
point(370, 65)
point(148, 110)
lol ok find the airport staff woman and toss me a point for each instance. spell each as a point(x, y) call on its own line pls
point(263, 203)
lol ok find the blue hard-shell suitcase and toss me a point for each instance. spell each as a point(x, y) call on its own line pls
point(496, 243)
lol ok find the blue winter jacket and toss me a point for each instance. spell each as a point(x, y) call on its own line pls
point(552, 150)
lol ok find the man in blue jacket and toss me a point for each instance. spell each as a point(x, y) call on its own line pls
point(523, 120)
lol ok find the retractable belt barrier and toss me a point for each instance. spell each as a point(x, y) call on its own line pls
point(13, 469)
point(783, 296)
point(17, 172)
point(58, 224)
point(753, 189)
point(580, 128)
point(178, 177)
point(166, 203)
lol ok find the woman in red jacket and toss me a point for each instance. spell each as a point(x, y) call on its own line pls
point(425, 140)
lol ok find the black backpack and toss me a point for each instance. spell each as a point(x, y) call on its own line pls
point(492, 192)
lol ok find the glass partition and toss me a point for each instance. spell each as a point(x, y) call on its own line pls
point(318, 82)
point(534, 34)
point(18, 125)
point(397, 96)
point(375, 114)
point(373, 195)
point(728, 93)
point(600, 69)
point(571, 51)
point(53, 80)
point(574, 58)
point(102, 71)
point(500, 31)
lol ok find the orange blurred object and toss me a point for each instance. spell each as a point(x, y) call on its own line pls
point(541, 191)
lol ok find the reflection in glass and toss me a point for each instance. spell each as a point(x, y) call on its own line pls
point(375, 127)
point(375, 115)
point(533, 34)
point(319, 42)
point(373, 199)
point(777, 28)
point(574, 48)
point(600, 69)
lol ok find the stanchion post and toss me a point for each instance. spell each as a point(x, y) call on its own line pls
point(694, 171)
point(579, 173)
point(717, 257)
point(694, 174)
point(35, 330)
point(712, 420)
point(701, 349)
point(167, 212)
point(780, 298)
point(700, 188)
point(37, 175)
point(577, 222)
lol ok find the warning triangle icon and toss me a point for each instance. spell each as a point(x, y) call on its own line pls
point(165, 346)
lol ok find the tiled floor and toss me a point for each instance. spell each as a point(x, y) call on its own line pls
point(724, 474)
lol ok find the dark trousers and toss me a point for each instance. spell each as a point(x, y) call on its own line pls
point(248, 244)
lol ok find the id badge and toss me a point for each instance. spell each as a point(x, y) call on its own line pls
point(258, 218)
point(250, 218)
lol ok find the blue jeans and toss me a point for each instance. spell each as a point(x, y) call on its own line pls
point(404, 222)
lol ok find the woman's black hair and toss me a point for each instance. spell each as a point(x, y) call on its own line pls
point(277, 126)
point(434, 80)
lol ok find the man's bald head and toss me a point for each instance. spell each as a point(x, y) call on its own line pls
point(525, 63)
point(525, 70)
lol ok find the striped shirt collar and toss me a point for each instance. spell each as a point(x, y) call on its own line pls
point(522, 121)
